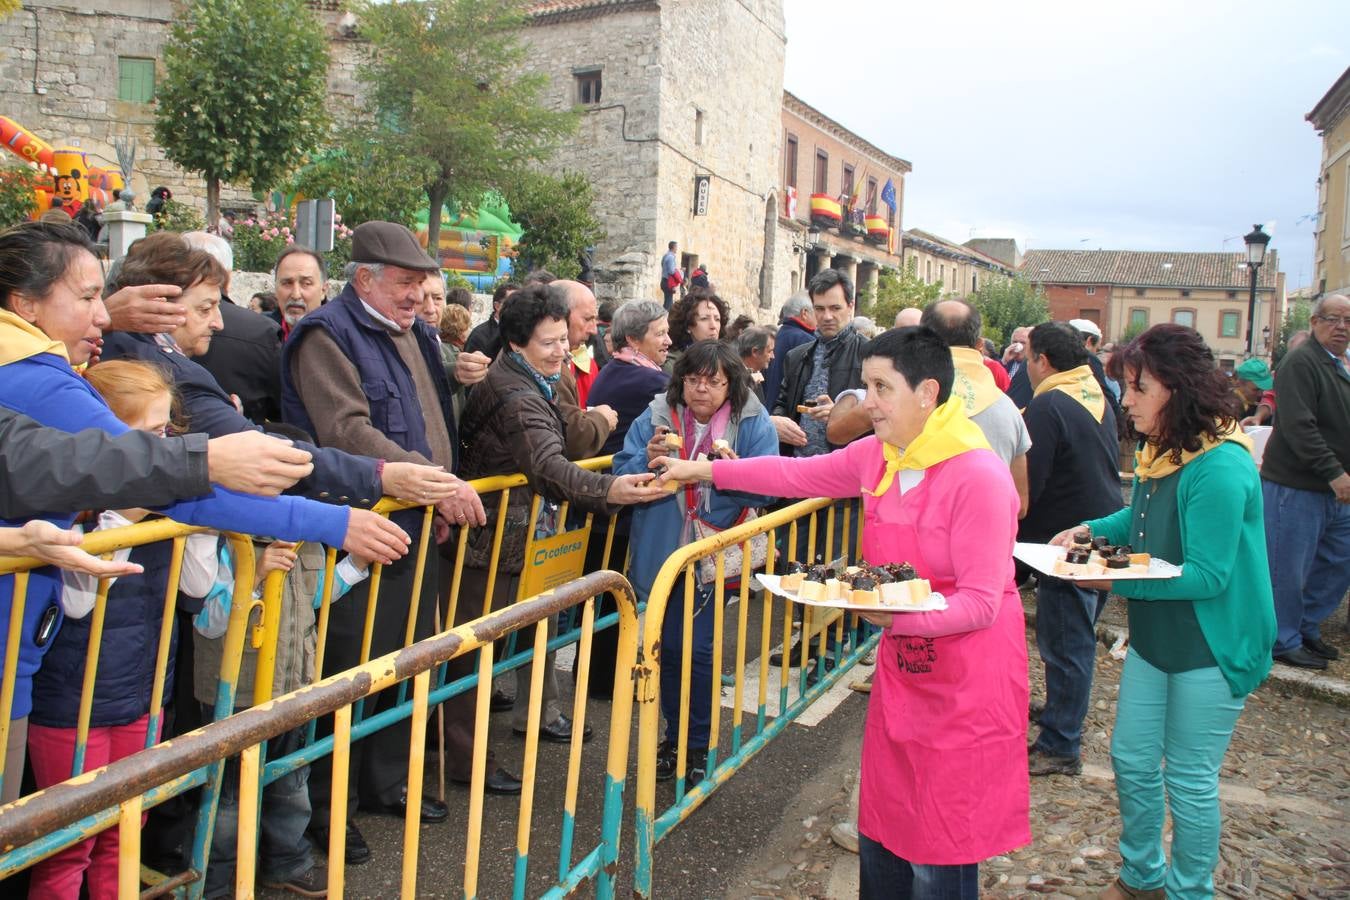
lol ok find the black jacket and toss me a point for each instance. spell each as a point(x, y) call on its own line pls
point(486, 338)
point(1310, 446)
point(844, 360)
point(245, 359)
point(1071, 466)
point(46, 470)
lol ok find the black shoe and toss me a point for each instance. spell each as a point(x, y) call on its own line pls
point(433, 811)
point(1302, 658)
point(697, 765)
point(1318, 648)
point(502, 702)
point(1041, 763)
point(358, 851)
point(312, 883)
point(498, 781)
point(558, 732)
point(666, 760)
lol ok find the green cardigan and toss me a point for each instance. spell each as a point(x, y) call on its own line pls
point(1225, 573)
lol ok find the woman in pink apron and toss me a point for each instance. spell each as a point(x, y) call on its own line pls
point(944, 760)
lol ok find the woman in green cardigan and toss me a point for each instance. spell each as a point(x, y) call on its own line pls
point(1199, 643)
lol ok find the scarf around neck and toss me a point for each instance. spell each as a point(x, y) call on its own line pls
point(636, 358)
point(1081, 385)
point(545, 383)
point(947, 433)
point(974, 383)
point(582, 357)
point(1150, 463)
point(20, 339)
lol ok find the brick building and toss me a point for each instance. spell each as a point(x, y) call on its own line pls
point(1126, 291)
point(1331, 118)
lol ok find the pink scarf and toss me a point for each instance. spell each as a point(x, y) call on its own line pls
point(634, 357)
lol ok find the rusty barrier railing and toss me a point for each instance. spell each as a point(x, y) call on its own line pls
point(852, 639)
point(121, 791)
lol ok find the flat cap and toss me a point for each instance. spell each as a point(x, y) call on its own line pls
point(390, 244)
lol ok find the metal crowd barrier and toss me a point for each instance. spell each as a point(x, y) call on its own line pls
point(651, 823)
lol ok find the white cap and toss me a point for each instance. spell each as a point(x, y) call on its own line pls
point(1087, 326)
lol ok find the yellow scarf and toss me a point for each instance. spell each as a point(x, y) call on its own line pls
point(582, 357)
point(20, 339)
point(1081, 385)
point(947, 433)
point(974, 382)
point(1149, 463)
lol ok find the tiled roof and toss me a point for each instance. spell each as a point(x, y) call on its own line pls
point(1141, 268)
point(1333, 105)
point(550, 9)
point(940, 246)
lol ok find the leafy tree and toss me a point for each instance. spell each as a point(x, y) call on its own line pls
point(556, 215)
point(1006, 303)
point(1132, 331)
point(450, 94)
point(18, 197)
point(176, 216)
point(900, 289)
point(367, 180)
point(1296, 318)
point(242, 99)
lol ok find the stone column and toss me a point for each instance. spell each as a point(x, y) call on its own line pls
point(868, 273)
point(124, 229)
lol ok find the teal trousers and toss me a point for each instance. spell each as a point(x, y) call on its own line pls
point(1172, 731)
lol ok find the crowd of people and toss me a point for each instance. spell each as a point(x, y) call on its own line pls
point(147, 392)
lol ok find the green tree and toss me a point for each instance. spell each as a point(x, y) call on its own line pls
point(1296, 318)
point(1006, 303)
point(900, 289)
point(18, 194)
point(1132, 331)
point(557, 218)
point(450, 94)
point(365, 178)
point(243, 94)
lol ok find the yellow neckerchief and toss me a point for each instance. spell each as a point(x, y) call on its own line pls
point(974, 382)
point(1081, 385)
point(582, 357)
point(1149, 463)
point(947, 433)
point(20, 339)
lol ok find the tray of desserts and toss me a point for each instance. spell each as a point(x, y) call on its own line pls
point(890, 588)
point(1093, 559)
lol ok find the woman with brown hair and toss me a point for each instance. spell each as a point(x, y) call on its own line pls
point(699, 315)
point(1200, 642)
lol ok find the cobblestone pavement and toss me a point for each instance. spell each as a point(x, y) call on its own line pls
point(1285, 792)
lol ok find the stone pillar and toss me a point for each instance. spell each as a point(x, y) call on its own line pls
point(868, 273)
point(849, 266)
point(124, 229)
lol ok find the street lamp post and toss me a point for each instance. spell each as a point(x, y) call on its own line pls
point(1256, 254)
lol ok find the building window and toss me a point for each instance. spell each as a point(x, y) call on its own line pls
point(1091, 290)
point(871, 196)
point(135, 79)
point(846, 185)
point(1139, 292)
point(1185, 293)
point(927, 271)
point(1092, 315)
point(1184, 317)
point(822, 185)
point(974, 282)
point(942, 273)
point(790, 164)
point(588, 87)
point(1232, 295)
point(1138, 319)
point(698, 127)
point(1229, 320)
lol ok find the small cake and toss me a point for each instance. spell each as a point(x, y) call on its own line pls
point(795, 575)
point(895, 593)
point(865, 591)
point(813, 586)
point(674, 441)
point(1140, 559)
point(1082, 538)
point(837, 589)
point(671, 486)
point(1078, 556)
point(1100, 543)
point(720, 446)
point(1118, 561)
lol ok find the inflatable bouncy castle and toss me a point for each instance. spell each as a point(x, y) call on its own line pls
point(477, 245)
point(74, 181)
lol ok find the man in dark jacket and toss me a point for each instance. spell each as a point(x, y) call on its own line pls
point(796, 326)
point(486, 336)
point(817, 372)
point(1071, 477)
point(1305, 481)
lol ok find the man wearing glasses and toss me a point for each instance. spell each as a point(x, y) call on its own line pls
point(1305, 480)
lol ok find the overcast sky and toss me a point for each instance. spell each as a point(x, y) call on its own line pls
point(1146, 126)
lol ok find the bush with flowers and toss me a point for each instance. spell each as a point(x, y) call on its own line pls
point(259, 240)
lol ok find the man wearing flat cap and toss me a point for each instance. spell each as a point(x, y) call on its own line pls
point(364, 373)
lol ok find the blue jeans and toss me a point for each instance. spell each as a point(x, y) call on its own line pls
point(1066, 635)
point(283, 850)
point(1171, 734)
point(882, 874)
point(1308, 541)
point(700, 667)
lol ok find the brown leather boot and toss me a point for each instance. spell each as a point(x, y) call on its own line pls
point(1122, 891)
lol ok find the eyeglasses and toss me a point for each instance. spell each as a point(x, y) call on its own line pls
point(1334, 321)
point(702, 381)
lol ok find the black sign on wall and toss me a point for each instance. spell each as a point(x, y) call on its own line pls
point(702, 185)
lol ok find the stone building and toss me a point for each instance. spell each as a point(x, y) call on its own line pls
point(960, 269)
point(832, 213)
point(1331, 118)
point(1126, 291)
